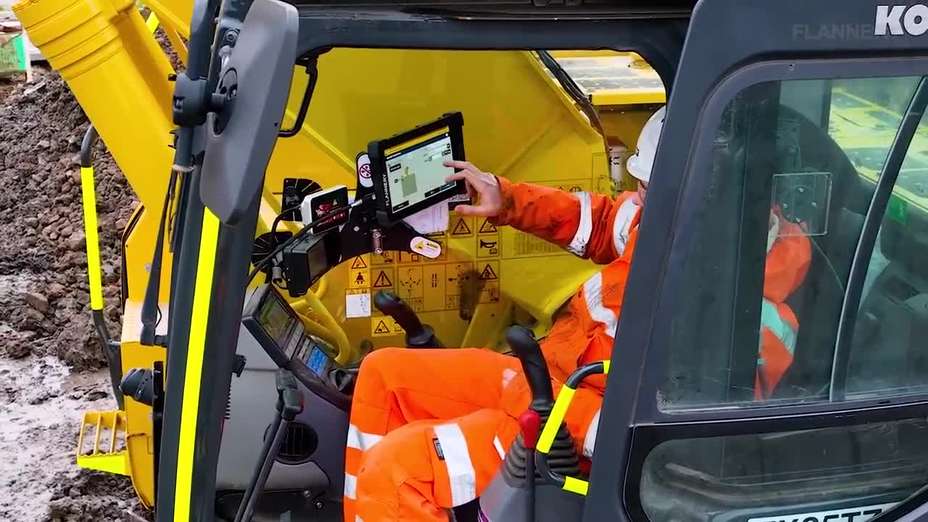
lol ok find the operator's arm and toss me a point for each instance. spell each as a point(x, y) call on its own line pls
point(589, 225)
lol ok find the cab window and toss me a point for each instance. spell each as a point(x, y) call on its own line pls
point(794, 168)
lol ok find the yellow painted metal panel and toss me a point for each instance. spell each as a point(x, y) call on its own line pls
point(117, 463)
point(577, 486)
point(549, 432)
point(89, 202)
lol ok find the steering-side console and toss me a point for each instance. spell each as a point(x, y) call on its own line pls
point(279, 331)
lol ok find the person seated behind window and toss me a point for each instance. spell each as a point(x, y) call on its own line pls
point(789, 253)
point(429, 428)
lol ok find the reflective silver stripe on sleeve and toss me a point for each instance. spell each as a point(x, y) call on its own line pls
point(589, 442)
point(578, 244)
point(508, 374)
point(499, 448)
point(351, 486)
point(771, 319)
point(622, 224)
point(593, 294)
point(359, 440)
point(463, 480)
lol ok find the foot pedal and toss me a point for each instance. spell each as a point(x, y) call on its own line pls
point(101, 445)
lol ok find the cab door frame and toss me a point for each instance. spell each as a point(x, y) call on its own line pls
point(211, 271)
point(728, 41)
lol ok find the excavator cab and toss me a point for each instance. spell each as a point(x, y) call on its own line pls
point(752, 124)
point(295, 236)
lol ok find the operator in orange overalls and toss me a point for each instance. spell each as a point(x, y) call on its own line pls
point(429, 428)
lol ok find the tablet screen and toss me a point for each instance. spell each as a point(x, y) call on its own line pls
point(415, 171)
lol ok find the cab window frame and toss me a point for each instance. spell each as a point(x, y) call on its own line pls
point(652, 425)
point(660, 346)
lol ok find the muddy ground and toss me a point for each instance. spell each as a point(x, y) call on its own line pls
point(51, 369)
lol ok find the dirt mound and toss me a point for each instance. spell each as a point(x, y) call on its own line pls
point(94, 496)
point(41, 404)
point(44, 308)
point(44, 299)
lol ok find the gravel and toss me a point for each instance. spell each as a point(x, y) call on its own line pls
point(51, 368)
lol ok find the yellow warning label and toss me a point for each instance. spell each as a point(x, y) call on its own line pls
point(489, 271)
point(385, 326)
point(488, 245)
point(455, 276)
point(486, 227)
point(383, 278)
point(434, 287)
point(463, 226)
point(490, 292)
point(381, 327)
point(409, 282)
point(409, 257)
point(387, 258)
point(359, 278)
point(359, 263)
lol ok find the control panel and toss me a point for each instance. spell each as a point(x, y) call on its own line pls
point(280, 332)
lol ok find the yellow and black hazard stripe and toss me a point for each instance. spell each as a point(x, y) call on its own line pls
point(553, 424)
point(109, 347)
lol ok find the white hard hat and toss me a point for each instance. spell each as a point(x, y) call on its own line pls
point(640, 163)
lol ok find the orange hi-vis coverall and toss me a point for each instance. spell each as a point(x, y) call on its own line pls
point(429, 428)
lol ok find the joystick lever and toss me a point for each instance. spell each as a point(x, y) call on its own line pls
point(526, 348)
point(418, 335)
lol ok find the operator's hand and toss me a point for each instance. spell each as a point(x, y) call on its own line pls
point(483, 188)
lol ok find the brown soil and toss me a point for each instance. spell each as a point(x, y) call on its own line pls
point(47, 310)
point(50, 364)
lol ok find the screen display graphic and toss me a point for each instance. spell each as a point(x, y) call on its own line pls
point(416, 173)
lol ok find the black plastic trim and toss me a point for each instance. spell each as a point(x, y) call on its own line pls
point(646, 437)
point(657, 39)
point(871, 227)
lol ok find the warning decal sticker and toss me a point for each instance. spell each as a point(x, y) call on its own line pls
point(462, 228)
point(385, 326)
point(486, 227)
point(488, 273)
point(357, 303)
point(382, 327)
point(384, 278)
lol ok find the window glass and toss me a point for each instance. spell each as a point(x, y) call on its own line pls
point(841, 474)
point(793, 168)
point(888, 353)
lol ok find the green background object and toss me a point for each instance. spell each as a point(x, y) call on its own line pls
point(12, 55)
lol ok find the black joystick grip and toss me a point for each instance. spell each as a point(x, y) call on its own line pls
point(418, 335)
point(526, 348)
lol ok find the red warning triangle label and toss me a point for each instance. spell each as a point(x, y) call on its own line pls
point(461, 228)
point(487, 227)
point(382, 328)
point(358, 263)
point(488, 273)
point(382, 280)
